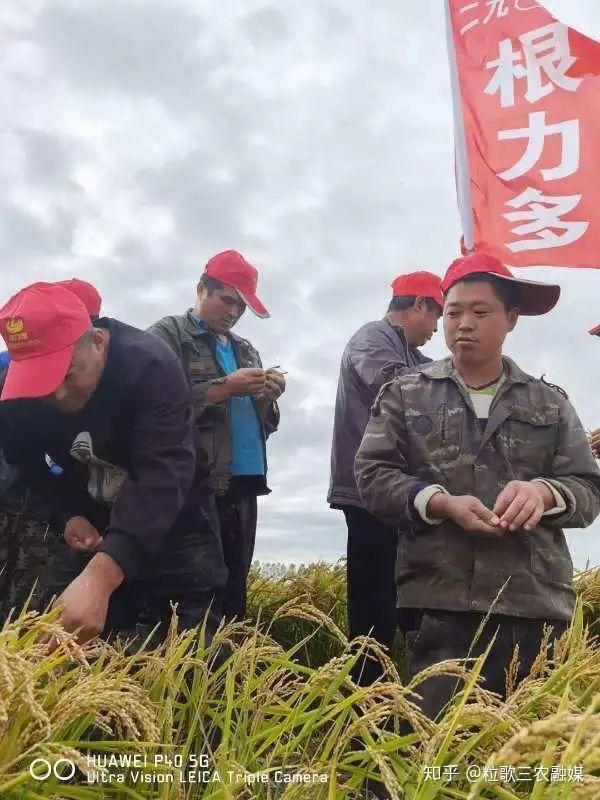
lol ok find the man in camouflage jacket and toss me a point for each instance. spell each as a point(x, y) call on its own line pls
point(484, 465)
point(235, 402)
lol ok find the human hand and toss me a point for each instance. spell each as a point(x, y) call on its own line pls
point(595, 442)
point(274, 385)
point(81, 535)
point(246, 381)
point(84, 603)
point(468, 512)
point(521, 504)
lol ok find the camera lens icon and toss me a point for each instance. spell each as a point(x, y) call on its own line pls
point(63, 769)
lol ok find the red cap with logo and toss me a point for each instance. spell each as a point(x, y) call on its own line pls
point(534, 298)
point(88, 294)
point(40, 325)
point(419, 284)
point(232, 269)
point(595, 331)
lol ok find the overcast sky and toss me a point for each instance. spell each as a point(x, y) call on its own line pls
point(315, 136)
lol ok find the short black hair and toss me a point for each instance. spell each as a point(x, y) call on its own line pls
point(404, 302)
point(210, 283)
point(505, 291)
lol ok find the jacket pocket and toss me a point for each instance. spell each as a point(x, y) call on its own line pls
point(550, 560)
point(436, 435)
point(421, 551)
point(533, 436)
point(202, 368)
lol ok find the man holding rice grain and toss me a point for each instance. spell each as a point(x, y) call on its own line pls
point(483, 465)
point(28, 535)
point(110, 406)
point(235, 405)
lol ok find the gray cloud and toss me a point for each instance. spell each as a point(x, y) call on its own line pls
point(141, 137)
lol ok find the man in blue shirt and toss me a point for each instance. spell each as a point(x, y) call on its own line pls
point(235, 401)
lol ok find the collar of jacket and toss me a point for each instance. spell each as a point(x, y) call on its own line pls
point(444, 369)
point(399, 330)
point(203, 330)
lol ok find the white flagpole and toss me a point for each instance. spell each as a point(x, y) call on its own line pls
point(463, 180)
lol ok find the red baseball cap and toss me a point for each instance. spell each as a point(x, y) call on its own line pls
point(595, 331)
point(534, 298)
point(419, 284)
point(88, 294)
point(40, 325)
point(232, 269)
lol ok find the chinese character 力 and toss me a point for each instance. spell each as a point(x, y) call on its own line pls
point(536, 135)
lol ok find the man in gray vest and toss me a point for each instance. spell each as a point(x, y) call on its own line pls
point(235, 401)
point(376, 353)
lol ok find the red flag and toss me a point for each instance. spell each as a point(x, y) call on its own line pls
point(527, 92)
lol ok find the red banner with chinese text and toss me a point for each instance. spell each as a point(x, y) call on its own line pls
point(529, 94)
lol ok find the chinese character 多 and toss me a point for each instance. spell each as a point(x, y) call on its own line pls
point(542, 216)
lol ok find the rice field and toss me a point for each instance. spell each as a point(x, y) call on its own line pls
point(269, 710)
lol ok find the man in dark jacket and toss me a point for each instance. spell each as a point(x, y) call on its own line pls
point(111, 406)
point(376, 353)
point(28, 537)
point(235, 404)
point(483, 465)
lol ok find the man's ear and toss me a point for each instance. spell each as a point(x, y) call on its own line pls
point(420, 304)
point(513, 318)
point(201, 291)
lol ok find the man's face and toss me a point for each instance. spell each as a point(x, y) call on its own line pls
point(221, 309)
point(422, 323)
point(85, 371)
point(476, 322)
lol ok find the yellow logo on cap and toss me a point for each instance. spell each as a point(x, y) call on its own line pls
point(14, 325)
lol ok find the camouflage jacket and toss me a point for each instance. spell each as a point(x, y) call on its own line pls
point(196, 347)
point(423, 430)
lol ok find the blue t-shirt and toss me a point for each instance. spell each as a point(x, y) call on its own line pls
point(246, 436)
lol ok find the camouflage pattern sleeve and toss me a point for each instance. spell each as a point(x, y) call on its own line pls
point(385, 487)
point(575, 473)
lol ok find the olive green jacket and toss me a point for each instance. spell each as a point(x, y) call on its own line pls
point(423, 430)
point(196, 347)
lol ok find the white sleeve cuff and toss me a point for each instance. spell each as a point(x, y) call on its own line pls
point(422, 499)
point(560, 504)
